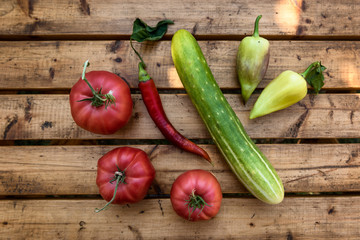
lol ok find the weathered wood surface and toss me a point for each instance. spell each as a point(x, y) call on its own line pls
point(114, 18)
point(69, 32)
point(71, 170)
point(41, 116)
point(58, 64)
point(294, 218)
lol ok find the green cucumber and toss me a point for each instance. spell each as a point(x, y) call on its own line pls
point(248, 163)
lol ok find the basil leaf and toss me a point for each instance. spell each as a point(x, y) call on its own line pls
point(143, 32)
point(314, 76)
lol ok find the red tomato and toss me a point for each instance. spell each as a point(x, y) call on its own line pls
point(101, 119)
point(196, 195)
point(128, 168)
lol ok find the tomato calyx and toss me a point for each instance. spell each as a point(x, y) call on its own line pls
point(98, 98)
point(119, 177)
point(194, 202)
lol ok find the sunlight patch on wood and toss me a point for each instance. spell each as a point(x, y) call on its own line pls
point(288, 14)
point(351, 73)
point(173, 78)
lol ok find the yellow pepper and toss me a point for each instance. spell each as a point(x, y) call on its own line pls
point(286, 89)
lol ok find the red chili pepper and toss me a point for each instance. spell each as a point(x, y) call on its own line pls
point(156, 111)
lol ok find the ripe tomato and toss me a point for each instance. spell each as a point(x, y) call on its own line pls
point(196, 195)
point(124, 175)
point(105, 113)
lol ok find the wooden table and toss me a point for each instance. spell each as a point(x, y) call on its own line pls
point(48, 164)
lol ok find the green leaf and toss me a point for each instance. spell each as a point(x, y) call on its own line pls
point(143, 32)
point(314, 76)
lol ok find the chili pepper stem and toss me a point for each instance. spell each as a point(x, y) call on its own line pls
point(119, 177)
point(137, 53)
point(98, 98)
point(256, 27)
point(194, 202)
point(143, 75)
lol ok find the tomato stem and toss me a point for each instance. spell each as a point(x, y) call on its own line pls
point(194, 202)
point(98, 99)
point(119, 177)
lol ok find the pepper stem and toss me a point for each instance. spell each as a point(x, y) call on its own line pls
point(309, 69)
point(314, 76)
point(194, 202)
point(137, 53)
point(98, 98)
point(143, 75)
point(256, 27)
point(119, 177)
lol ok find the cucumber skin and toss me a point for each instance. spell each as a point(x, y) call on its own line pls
point(248, 163)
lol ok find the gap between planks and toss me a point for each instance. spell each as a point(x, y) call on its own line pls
point(168, 37)
point(167, 196)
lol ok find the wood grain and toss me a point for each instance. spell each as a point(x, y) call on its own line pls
point(41, 116)
point(49, 192)
point(58, 64)
point(294, 218)
point(230, 18)
point(71, 170)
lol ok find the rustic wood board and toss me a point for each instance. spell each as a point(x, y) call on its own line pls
point(294, 218)
point(58, 64)
point(209, 18)
point(49, 192)
point(48, 117)
point(71, 170)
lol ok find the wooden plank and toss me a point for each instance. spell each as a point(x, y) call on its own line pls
point(230, 18)
point(48, 117)
point(294, 218)
point(58, 64)
point(71, 170)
